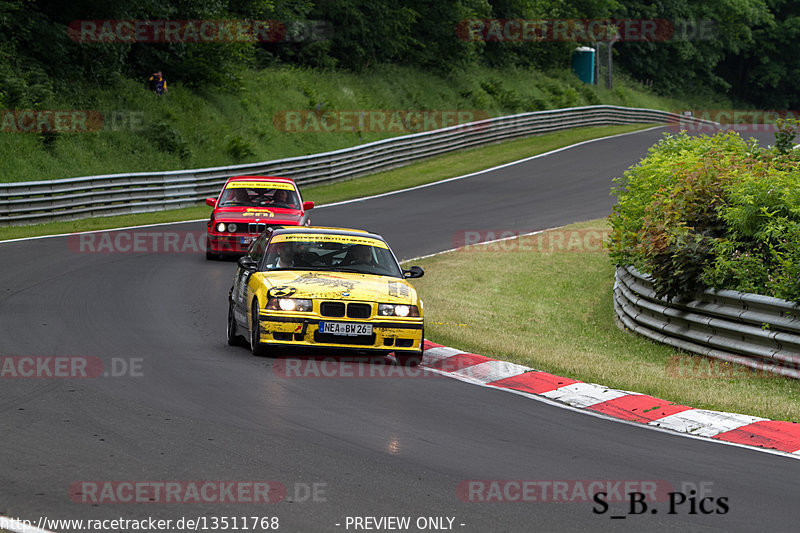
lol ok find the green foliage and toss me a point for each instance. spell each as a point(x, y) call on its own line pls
point(506, 98)
point(766, 71)
point(706, 36)
point(239, 148)
point(741, 45)
point(367, 32)
point(717, 212)
point(166, 138)
point(787, 131)
point(207, 118)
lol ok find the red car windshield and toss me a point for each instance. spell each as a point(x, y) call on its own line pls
point(236, 195)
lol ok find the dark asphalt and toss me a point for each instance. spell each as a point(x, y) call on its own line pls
point(197, 409)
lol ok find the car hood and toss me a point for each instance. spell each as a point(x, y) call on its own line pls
point(262, 214)
point(342, 286)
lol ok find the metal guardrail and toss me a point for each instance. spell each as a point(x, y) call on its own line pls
point(140, 192)
point(760, 332)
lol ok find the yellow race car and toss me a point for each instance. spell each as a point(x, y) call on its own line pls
point(327, 288)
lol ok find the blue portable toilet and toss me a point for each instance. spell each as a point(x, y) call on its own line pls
point(583, 63)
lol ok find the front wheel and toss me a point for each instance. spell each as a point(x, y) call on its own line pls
point(256, 347)
point(408, 359)
point(233, 338)
point(209, 254)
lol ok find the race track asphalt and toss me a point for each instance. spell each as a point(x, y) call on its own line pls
point(195, 409)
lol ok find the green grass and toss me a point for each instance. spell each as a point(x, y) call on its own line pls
point(550, 308)
point(204, 128)
point(427, 171)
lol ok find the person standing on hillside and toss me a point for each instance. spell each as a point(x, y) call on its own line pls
point(157, 83)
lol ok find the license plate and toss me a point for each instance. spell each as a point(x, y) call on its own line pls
point(345, 328)
point(247, 240)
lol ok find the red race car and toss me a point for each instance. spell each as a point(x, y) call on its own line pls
point(246, 206)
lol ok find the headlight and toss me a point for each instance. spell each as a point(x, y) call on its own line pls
point(289, 304)
point(222, 227)
point(397, 310)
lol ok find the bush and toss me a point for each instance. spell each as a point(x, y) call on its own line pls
point(716, 212)
point(168, 139)
point(238, 148)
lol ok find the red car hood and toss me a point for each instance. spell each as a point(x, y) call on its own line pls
point(262, 214)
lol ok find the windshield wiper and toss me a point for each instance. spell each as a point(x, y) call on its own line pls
point(353, 270)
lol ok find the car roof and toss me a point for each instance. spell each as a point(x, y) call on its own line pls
point(260, 178)
point(326, 231)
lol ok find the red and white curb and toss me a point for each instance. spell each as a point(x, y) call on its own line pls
point(623, 405)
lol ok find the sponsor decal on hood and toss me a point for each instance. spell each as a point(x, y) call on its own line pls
point(343, 286)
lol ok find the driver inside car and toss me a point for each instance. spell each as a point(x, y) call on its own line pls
point(239, 197)
point(283, 198)
point(359, 255)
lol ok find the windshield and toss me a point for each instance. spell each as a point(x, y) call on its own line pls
point(266, 195)
point(332, 256)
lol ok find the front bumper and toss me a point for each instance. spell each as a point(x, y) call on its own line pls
point(394, 335)
point(230, 243)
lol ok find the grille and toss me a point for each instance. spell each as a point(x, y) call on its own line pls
point(359, 310)
point(361, 340)
point(256, 228)
point(332, 309)
point(337, 309)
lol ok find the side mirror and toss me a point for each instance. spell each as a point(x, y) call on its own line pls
point(308, 205)
point(413, 272)
point(247, 263)
point(211, 202)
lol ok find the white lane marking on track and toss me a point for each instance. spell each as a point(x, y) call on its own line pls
point(104, 230)
point(492, 371)
point(484, 171)
point(343, 202)
point(481, 242)
point(703, 422)
point(584, 394)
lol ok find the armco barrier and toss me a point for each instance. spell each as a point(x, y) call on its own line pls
point(756, 331)
point(139, 192)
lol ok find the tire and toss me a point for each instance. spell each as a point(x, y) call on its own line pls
point(258, 349)
point(234, 339)
point(412, 359)
point(210, 256)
